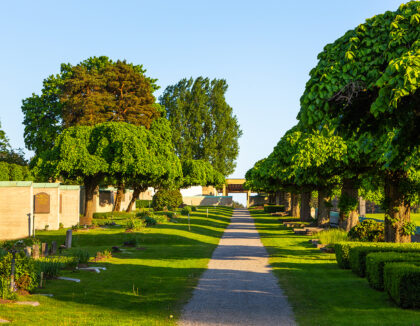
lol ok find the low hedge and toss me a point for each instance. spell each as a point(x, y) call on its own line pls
point(273, 208)
point(143, 203)
point(118, 215)
point(402, 282)
point(376, 261)
point(357, 254)
point(342, 250)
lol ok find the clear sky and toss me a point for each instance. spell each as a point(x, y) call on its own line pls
point(264, 49)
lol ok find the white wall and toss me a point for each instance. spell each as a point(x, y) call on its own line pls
point(192, 191)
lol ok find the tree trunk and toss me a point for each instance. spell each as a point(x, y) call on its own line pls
point(351, 191)
point(271, 198)
point(305, 208)
point(136, 193)
point(295, 205)
point(91, 185)
point(323, 211)
point(397, 208)
point(278, 197)
point(118, 198)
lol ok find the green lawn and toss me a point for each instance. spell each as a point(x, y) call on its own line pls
point(163, 273)
point(415, 217)
point(319, 291)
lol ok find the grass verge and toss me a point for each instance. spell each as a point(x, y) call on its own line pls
point(141, 286)
point(320, 292)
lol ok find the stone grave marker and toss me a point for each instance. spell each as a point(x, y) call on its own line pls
point(44, 249)
point(35, 251)
point(69, 235)
point(53, 247)
point(28, 251)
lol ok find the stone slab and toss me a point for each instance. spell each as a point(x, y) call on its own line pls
point(68, 279)
point(28, 303)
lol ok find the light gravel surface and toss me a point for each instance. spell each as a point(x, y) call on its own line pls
point(238, 288)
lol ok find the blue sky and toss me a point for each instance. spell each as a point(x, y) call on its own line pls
point(264, 49)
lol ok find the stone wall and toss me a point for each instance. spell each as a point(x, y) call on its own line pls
point(208, 200)
point(48, 197)
point(16, 209)
point(258, 200)
point(69, 207)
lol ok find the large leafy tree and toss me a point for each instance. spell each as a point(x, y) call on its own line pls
point(204, 127)
point(112, 150)
point(366, 84)
point(94, 91)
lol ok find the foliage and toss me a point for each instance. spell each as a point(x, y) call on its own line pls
point(117, 91)
point(347, 204)
point(200, 172)
point(342, 252)
point(149, 221)
point(82, 256)
point(186, 210)
point(135, 224)
point(376, 261)
point(14, 172)
point(204, 125)
point(25, 270)
point(113, 215)
point(103, 255)
point(332, 236)
point(166, 198)
point(368, 230)
point(402, 282)
point(357, 254)
point(194, 208)
point(273, 208)
point(142, 203)
point(51, 266)
point(5, 292)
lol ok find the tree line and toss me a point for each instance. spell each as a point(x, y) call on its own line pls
point(358, 126)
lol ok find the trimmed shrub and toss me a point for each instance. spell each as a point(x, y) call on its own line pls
point(143, 203)
point(171, 215)
point(402, 282)
point(186, 210)
point(135, 224)
point(149, 221)
point(113, 215)
point(368, 230)
point(160, 218)
point(194, 208)
point(376, 261)
point(342, 250)
point(273, 208)
point(357, 254)
point(166, 198)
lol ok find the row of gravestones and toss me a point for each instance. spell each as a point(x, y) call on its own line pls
point(35, 251)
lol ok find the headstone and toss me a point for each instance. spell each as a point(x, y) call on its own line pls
point(53, 247)
point(28, 251)
point(28, 303)
point(35, 251)
point(362, 207)
point(42, 203)
point(69, 235)
point(44, 249)
point(68, 279)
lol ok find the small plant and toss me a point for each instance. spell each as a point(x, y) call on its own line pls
point(186, 210)
point(46, 227)
point(171, 215)
point(332, 236)
point(135, 224)
point(368, 230)
point(5, 292)
point(82, 256)
point(150, 221)
point(103, 255)
point(194, 208)
point(51, 266)
point(61, 226)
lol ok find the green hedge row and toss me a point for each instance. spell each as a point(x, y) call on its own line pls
point(353, 254)
point(273, 208)
point(117, 215)
point(402, 282)
point(143, 203)
point(376, 261)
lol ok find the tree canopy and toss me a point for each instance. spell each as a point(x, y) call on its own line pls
point(94, 91)
point(204, 127)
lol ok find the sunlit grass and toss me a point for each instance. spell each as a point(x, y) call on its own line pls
point(415, 217)
point(331, 236)
point(139, 287)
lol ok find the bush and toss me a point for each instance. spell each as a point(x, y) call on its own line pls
point(113, 215)
point(149, 221)
point(273, 208)
point(26, 275)
point(332, 236)
point(186, 210)
point(171, 215)
point(357, 254)
point(82, 256)
point(402, 282)
point(368, 230)
point(161, 218)
point(194, 208)
point(342, 250)
point(135, 224)
point(141, 203)
point(51, 266)
point(376, 261)
point(165, 198)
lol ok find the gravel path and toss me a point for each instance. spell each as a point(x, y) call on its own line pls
point(238, 288)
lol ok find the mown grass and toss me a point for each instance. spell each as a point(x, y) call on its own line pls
point(320, 292)
point(139, 287)
point(415, 217)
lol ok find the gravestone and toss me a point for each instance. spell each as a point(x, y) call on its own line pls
point(28, 251)
point(35, 251)
point(44, 249)
point(69, 235)
point(42, 203)
point(53, 247)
